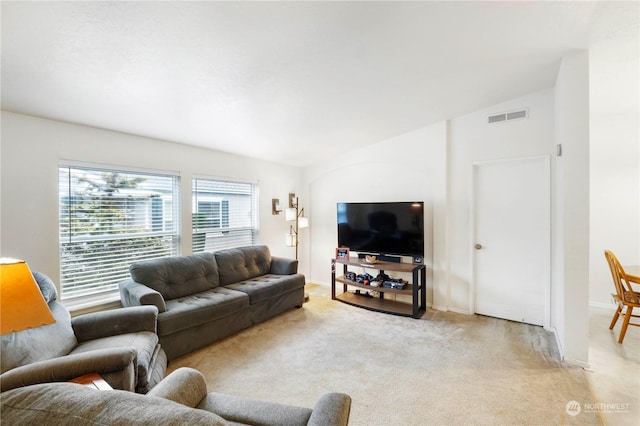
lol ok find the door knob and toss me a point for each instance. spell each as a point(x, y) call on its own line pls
point(478, 246)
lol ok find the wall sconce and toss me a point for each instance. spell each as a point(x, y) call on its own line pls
point(275, 206)
point(295, 213)
point(21, 303)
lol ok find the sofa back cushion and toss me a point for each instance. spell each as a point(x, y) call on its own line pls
point(178, 276)
point(40, 343)
point(242, 263)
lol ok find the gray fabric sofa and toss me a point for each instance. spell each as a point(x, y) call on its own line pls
point(208, 296)
point(180, 399)
point(121, 345)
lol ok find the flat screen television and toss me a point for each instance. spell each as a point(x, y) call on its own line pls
point(394, 228)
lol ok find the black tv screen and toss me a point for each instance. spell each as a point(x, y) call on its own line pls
point(382, 228)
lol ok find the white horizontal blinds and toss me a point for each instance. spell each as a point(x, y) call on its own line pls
point(110, 219)
point(224, 214)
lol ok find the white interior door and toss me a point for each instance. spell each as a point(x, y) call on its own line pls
point(511, 239)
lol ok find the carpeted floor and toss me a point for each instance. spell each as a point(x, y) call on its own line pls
point(444, 369)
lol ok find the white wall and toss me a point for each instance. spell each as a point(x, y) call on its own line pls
point(405, 168)
point(472, 140)
point(431, 164)
point(434, 164)
point(570, 313)
point(614, 161)
point(33, 147)
point(615, 199)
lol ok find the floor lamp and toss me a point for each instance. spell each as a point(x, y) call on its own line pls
point(295, 214)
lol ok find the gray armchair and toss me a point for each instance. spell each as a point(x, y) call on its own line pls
point(188, 387)
point(180, 399)
point(121, 345)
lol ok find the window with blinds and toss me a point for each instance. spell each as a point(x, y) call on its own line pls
point(110, 219)
point(224, 214)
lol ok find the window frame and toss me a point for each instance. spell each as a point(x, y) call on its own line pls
point(235, 236)
point(162, 219)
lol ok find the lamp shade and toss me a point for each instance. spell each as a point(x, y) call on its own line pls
point(21, 303)
point(290, 214)
point(303, 222)
point(290, 240)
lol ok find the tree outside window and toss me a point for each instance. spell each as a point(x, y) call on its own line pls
point(110, 219)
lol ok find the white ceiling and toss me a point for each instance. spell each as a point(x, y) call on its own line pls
point(290, 82)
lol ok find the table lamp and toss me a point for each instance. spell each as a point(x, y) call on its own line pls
point(21, 303)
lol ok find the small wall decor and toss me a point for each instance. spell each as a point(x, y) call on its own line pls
point(342, 253)
point(275, 206)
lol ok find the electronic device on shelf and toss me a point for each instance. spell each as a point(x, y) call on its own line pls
point(394, 283)
point(351, 276)
point(382, 230)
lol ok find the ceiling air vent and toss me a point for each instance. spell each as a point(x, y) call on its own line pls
point(508, 116)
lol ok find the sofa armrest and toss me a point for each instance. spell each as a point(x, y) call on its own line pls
point(97, 325)
point(102, 361)
point(135, 294)
point(248, 411)
point(332, 409)
point(184, 385)
point(283, 266)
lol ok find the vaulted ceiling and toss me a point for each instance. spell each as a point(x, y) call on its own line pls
point(289, 82)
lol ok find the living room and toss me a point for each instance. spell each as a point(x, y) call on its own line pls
point(591, 97)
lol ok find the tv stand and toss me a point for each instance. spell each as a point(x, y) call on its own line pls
point(415, 289)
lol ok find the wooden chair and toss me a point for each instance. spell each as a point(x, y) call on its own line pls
point(625, 297)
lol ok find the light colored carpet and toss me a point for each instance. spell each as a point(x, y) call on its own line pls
point(444, 369)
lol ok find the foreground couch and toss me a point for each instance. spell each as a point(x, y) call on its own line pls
point(181, 398)
point(121, 345)
point(208, 296)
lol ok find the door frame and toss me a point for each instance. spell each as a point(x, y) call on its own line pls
point(546, 162)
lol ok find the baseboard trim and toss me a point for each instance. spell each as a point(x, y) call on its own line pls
point(607, 306)
point(557, 339)
point(578, 363)
point(439, 308)
point(460, 311)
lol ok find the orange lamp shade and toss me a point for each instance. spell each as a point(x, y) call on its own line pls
point(21, 303)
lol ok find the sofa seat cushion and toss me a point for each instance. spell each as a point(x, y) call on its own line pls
point(177, 276)
point(144, 342)
point(267, 286)
point(189, 311)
